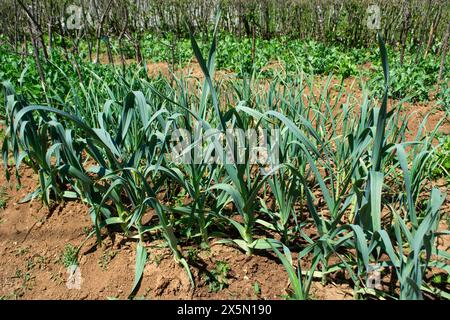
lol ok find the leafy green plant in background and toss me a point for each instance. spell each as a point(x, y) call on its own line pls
point(415, 79)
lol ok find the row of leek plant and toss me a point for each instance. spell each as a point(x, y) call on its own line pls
point(113, 156)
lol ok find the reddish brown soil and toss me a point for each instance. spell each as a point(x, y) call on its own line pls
point(32, 240)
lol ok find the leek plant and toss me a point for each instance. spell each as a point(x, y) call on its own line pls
point(348, 183)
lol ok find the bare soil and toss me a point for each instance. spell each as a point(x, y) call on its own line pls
point(32, 241)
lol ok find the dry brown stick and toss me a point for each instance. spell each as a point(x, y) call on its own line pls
point(444, 52)
point(36, 54)
point(405, 30)
point(99, 30)
point(37, 26)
